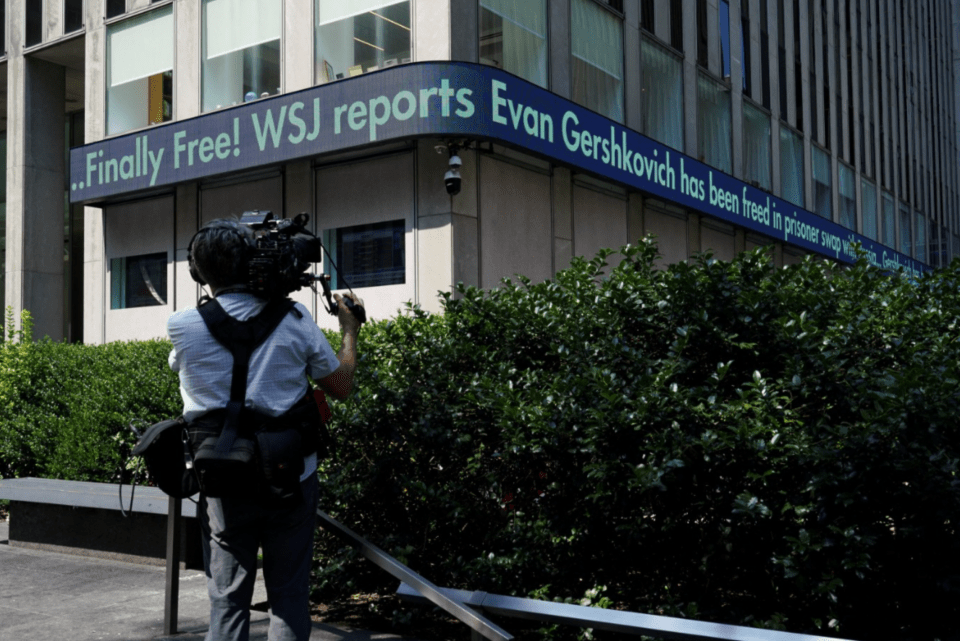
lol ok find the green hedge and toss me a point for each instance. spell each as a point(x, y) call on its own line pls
point(721, 440)
point(726, 441)
point(65, 408)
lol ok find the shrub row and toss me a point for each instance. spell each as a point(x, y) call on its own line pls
point(66, 408)
point(724, 441)
point(720, 440)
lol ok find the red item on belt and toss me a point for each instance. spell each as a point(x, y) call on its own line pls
point(321, 400)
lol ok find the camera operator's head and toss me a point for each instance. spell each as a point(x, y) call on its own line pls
point(219, 254)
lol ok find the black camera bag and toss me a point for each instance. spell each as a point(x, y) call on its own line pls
point(165, 449)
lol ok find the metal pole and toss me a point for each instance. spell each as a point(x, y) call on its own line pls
point(172, 598)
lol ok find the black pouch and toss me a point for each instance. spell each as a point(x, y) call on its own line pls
point(166, 453)
point(281, 465)
point(222, 474)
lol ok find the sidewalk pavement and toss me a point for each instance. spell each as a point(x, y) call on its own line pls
point(63, 597)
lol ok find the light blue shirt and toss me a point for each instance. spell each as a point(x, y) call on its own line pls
point(277, 377)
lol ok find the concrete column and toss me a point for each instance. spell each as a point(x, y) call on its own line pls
point(736, 90)
point(634, 217)
point(186, 211)
point(297, 43)
point(558, 25)
point(35, 183)
point(632, 73)
point(773, 80)
point(186, 72)
point(562, 195)
point(94, 267)
point(690, 79)
point(431, 33)
point(448, 244)
point(805, 107)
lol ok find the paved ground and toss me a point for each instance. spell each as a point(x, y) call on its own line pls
point(62, 597)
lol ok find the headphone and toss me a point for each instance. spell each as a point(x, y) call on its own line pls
point(192, 266)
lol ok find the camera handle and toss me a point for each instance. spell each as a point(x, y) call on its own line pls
point(357, 310)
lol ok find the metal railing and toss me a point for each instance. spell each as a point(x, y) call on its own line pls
point(466, 606)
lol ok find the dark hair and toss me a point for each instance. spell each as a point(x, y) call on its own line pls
point(219, 252)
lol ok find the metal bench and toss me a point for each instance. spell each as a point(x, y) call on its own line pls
point(82, 518)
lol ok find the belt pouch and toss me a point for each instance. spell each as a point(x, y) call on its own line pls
point(281, 464)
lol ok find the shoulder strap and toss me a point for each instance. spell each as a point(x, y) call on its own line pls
point(241, 338)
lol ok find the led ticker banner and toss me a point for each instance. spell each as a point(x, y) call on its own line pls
point(448, 99)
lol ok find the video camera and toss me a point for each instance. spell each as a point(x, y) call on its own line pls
point(281, 254)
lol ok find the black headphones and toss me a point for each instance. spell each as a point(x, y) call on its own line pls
point(192, 266)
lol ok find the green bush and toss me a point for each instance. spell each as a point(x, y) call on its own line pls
point(721, 440)
point(724, 441)
point(66, 408)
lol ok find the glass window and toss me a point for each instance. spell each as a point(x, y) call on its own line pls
point(889, 221)
point(241, 51)
point(662, 93)
point(138, 281)
point(597, 46)
point(72, 15)
point(756, 146)
point(513, 37)
point(869, 194)
point(822, 184)
point(723, 24)
point(366, 255)
point(848, 197)
point(34, 23)
point(713, 124)
point(140, 71)
point(116, 8)
point(920, 238)
point(906, 231)
point(791, 166)
point(359, 36)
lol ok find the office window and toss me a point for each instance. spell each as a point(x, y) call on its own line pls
point(597, 46)
point(791, 166)
point(868, 192)
point(906, 231)
point(647, 16)
point(848, 197)
point(756, 146)
point(140, 71)
point(116, 8)
point(920, 238)
point(714, 123)
point(360, 36)
point(676, 24)
point(513, 37)
point(138, 281)
point(34, 23)
point(822, 184)
point(723, 24)
point(72, 15)
point(662, 94)
point(241, 51)
point(889, 221)
point(367, 255)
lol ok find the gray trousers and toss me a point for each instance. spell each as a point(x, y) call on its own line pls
point(233, 530)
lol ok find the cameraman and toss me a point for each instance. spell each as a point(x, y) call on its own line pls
point(234, 528)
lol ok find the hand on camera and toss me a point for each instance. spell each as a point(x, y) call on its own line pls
point(348, 322)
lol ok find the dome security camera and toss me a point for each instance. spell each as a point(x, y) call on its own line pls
point(451, 180)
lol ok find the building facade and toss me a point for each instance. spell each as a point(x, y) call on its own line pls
point(717, 125)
